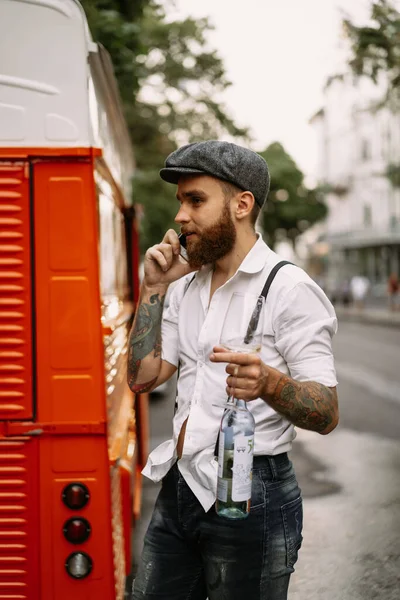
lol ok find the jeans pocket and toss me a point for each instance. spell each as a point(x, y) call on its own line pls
point(292, 514)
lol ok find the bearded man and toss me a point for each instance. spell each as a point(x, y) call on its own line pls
point(190, 552)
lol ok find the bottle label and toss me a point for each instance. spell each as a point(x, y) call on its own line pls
point(242, 467)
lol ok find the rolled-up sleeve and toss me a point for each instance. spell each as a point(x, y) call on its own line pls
point(305, 325)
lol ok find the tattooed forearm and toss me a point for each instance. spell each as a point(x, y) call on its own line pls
point(146, 332)
point(309, 405)
point(145, 342)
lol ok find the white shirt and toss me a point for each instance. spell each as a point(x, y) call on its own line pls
point(298, 328)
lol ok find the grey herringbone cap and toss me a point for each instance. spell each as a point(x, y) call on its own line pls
point(242, 167)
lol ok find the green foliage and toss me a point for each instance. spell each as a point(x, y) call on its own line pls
point(170, 83)
point(376, 47)
point(111, 25)
point(291, 208)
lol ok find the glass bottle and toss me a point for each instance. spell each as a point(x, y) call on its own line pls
point(235, 461)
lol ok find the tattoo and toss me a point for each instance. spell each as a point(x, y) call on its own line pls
point(145, 338)
point(309, 405)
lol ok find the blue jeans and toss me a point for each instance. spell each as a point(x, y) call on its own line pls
point(189, 554)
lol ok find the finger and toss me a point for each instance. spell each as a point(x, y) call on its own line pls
point(232, 381)
point(250, 371)
point(238, 392)
point(158, 257)
point(167, 251)
point(244, 383)
point(171, 238)
point(236, 358)
point(253, 357)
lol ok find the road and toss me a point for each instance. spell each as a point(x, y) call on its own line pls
point(350, 479)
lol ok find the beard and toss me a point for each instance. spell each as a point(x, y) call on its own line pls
point(214, 242)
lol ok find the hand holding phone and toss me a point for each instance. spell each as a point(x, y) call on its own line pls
point(166, 262)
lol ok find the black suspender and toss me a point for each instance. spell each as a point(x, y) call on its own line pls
point(271, 276)
point(256, 312)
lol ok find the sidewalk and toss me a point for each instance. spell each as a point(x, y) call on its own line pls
point(370, 315)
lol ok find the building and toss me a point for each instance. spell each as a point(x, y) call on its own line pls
point(359, 166)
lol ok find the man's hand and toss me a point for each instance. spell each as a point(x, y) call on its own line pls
point(163, 263)
point(249, 377)
point(308, 404)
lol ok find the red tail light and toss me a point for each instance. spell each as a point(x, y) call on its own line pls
point(78, 565)
point(76, 530)
point(75, 496)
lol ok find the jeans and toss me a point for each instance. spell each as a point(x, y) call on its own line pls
point(189, 554)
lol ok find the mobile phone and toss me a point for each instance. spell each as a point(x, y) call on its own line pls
point(182, 241)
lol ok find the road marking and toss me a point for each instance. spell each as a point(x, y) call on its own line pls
point(372, 382)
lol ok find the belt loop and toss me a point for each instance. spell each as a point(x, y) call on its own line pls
point(272, 467)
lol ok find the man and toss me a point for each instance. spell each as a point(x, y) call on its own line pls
point(189, 551)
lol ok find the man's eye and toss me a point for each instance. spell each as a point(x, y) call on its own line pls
point(196, 200)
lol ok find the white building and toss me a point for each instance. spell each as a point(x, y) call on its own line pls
point(358, 142)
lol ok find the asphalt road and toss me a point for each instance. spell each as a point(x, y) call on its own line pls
point(350, 479)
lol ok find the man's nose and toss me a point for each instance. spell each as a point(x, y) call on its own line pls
point(182, 216)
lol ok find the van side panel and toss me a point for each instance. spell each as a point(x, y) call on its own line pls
point(16, 399)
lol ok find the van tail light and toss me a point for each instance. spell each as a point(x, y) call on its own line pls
point(78, 565)
point(75, 496)
point(76, 530)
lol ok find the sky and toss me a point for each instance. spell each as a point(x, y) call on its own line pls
point(278, 55)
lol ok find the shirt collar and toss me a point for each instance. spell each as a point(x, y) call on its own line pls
point(254, 261)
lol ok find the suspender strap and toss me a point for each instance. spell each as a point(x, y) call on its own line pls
point(271, 276)
point(255, 317)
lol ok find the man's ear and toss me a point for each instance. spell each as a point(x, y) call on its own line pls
point(244, 206)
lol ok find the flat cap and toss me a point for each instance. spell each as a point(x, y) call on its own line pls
point(242, 167)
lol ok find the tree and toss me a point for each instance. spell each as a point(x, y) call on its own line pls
point(376, 50)
point(376, 47)
point(291, 208)
point(171, 85)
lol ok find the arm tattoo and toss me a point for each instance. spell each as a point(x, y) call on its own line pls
point(309, 405)
point(144, 339)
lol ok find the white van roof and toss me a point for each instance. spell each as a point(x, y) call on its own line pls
point(57, 88)
point(43, 73)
